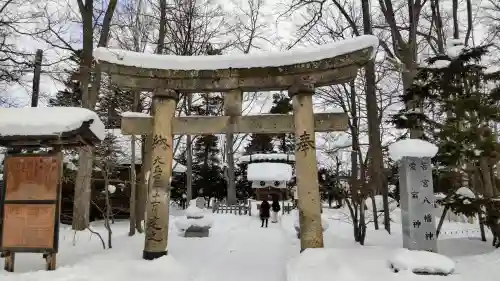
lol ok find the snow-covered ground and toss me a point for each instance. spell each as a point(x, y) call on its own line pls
point(238, 249)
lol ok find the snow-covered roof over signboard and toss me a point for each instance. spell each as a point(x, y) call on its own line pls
point(412, 148)
point(268, 157)
point(124, 142)
point(265, 59)
point(48, 121)
point(269, 172)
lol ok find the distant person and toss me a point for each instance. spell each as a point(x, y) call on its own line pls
point(276, 208)
point(264, 212)
point(184, 201)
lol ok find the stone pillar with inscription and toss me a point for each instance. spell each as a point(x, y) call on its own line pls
point(309, 205)
point(157, 209)
point(417, 204)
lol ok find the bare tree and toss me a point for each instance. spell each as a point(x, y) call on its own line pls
point(106, 156)
point(377, 161)
point(90, 81)
point(133, 28)
point(351, 18)
point(18, 20)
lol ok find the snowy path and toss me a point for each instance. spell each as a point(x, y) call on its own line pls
point(243, 251)
point(239, 250)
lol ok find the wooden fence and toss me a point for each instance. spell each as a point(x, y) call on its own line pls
point(233, 209)
point(245, 209)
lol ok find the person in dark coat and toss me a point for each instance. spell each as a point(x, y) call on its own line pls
point(276, 208)
point(264, 212)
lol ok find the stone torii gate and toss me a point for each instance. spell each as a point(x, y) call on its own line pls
point(297, 71)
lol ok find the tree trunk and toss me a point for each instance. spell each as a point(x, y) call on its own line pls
point(231, 182)
point(358, 206)
point(141, 190)
point(374, 210)
point(189, 155)
point(485, 172)
point(480, 216)
point(107, 216)
point(405, 50)
point(441, 221)
point(133, 175)
point(81, 201)
point(81, 207)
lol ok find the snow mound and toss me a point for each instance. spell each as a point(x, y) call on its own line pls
point(264, 59)
point(39, 121)
point(193, 211)
point(379, 203)
point(439, 64)
point(421, 262)
point(183, 223)
point(269, 172)
point(360, 264)
point(465, 192)
point(439, 195)
point(455, 47)
point(109, 267)
point(111, 188)
point(194, 217)
point(412, 148)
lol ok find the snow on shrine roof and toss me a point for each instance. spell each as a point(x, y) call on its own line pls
point(123, 141)
point(43, 121)
point(269, 172)
point(412, 148)
point(265, 59)
point(269, 157)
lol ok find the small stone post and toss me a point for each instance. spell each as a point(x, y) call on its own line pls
point(309, 204)
point(157, 209)
point(417, 204)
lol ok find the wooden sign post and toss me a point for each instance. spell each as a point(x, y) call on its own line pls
point(30, 201)
point(30, 205)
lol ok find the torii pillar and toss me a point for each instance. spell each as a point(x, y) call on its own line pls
point(157, 208)
point(311, 230)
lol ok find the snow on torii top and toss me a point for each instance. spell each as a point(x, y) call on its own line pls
point(235, 61)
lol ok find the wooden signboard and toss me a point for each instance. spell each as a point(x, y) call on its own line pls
point(30, 204)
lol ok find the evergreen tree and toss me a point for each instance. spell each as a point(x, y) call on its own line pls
point(107, 154)
point(71, 95)
point(110, 103)
point(259, 143)
point(460, 102)
point(207, 170)
point(282, 104)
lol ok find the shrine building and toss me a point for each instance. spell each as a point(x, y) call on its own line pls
point(270, 174)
